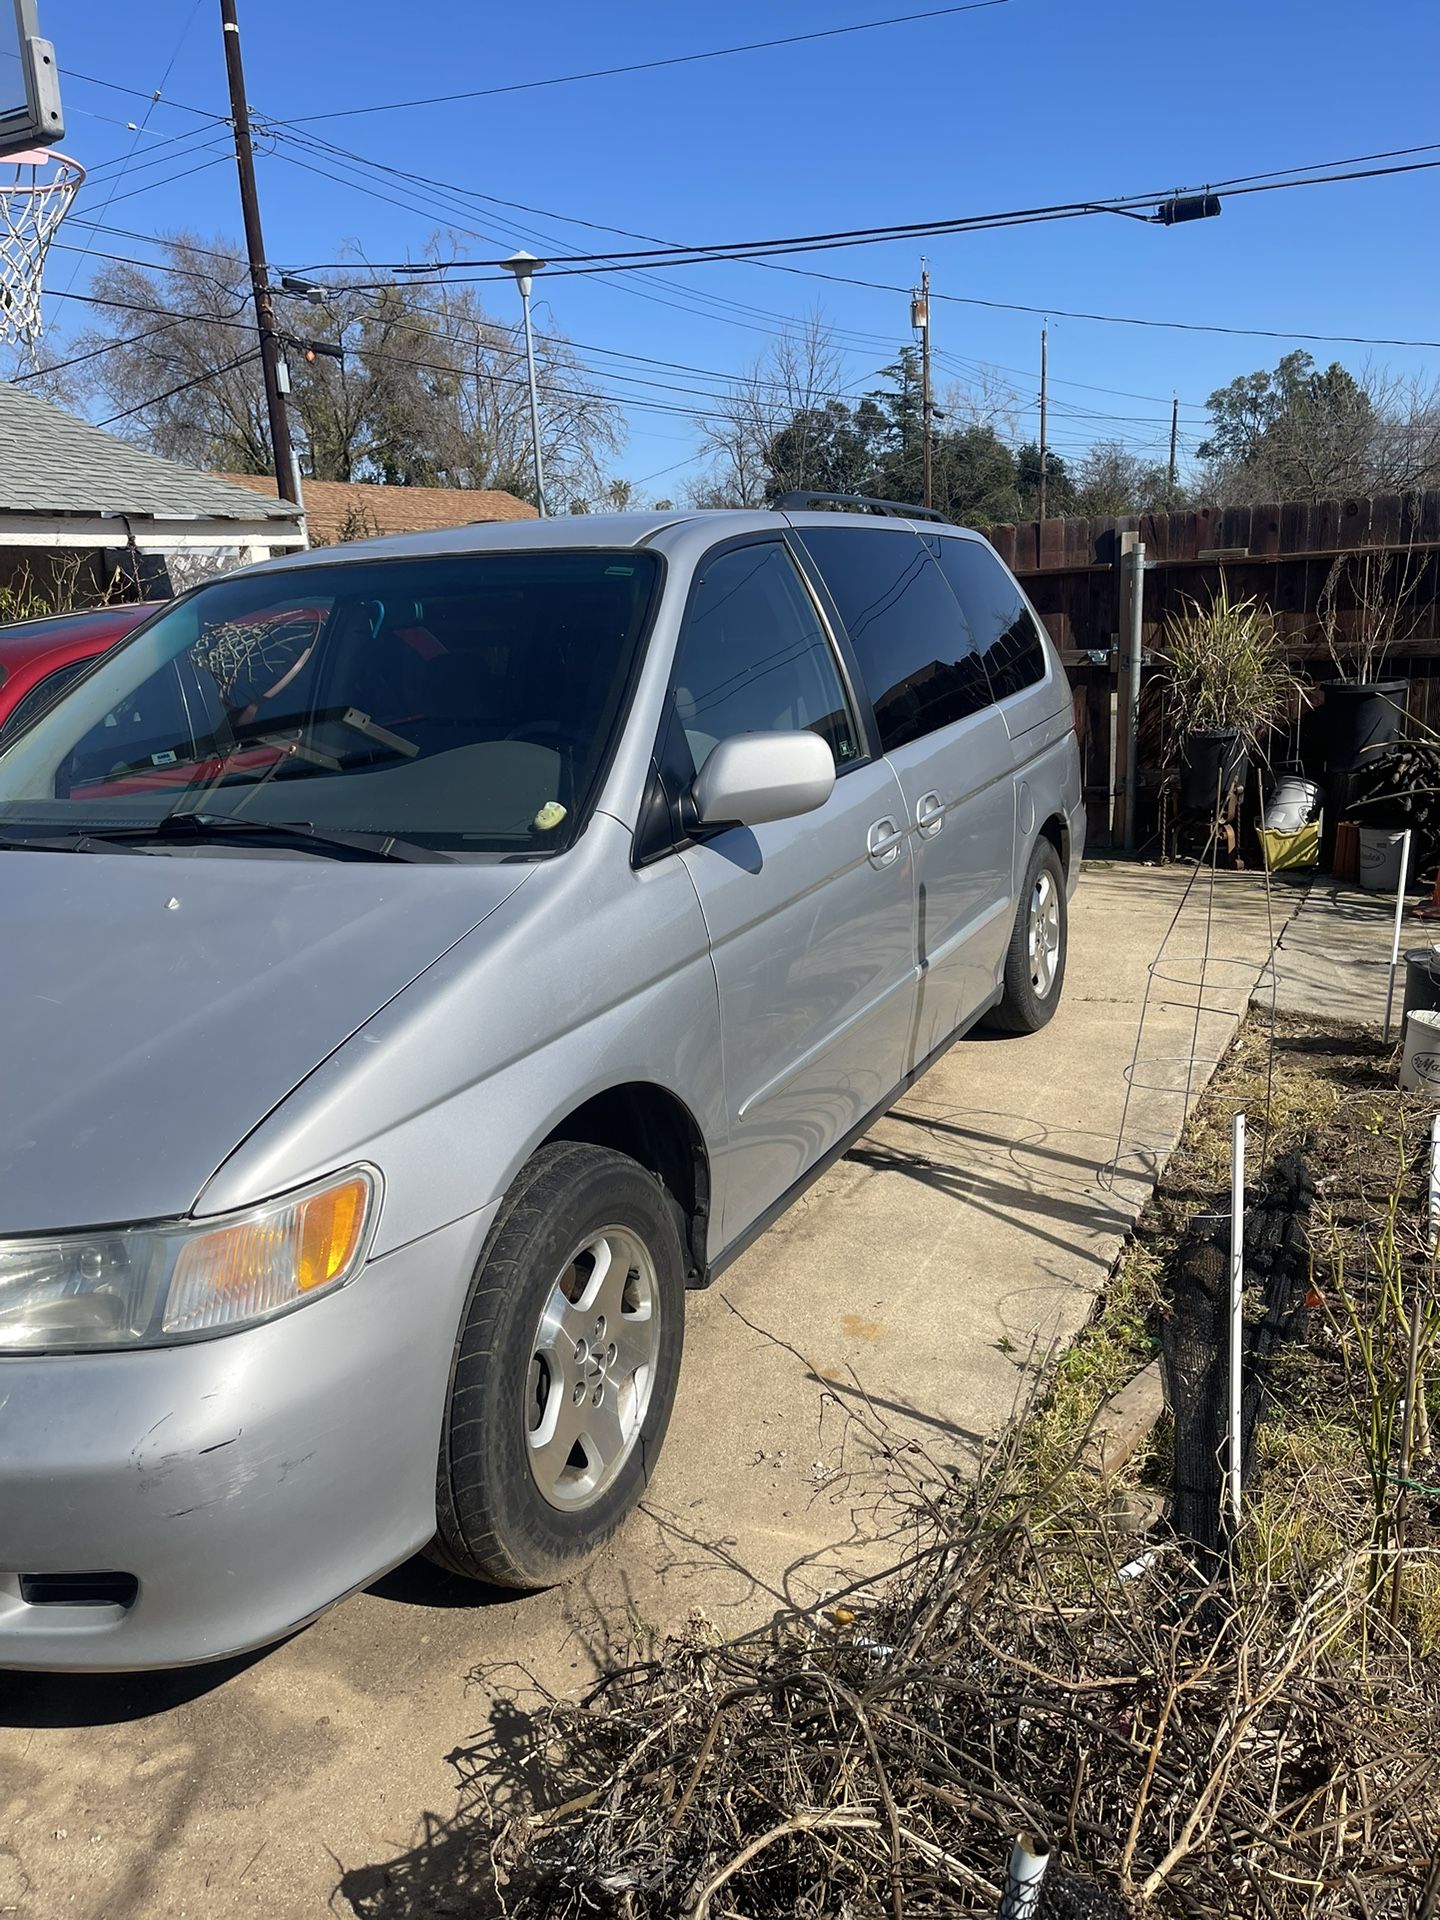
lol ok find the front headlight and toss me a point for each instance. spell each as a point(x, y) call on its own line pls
point(150, 1286)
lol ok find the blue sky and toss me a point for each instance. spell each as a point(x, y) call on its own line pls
point(1028, 102)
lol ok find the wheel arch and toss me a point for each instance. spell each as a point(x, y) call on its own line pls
point(1056, 829)
point(654, 1127)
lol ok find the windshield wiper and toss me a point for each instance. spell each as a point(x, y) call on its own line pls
point(189, 824)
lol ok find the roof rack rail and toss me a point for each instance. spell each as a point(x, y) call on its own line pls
point(802, 500)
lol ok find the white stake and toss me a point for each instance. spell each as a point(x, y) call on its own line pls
point(1029, 1857)
point(1399, 916)
point(1237, 1309)
point(1434, 1208)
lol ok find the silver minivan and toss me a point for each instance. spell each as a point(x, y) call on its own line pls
point(346, 1211)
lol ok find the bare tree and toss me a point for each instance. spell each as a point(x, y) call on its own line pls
point(1110, 479)
point(1405, 453)
point(428, 390)
point(175, 356)
point(986, 401)
point(480, 432)
point(790, 389)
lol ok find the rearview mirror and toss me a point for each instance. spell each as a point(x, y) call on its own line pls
point(755, 777)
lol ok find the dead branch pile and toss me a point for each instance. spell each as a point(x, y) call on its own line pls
point(1401, 788)
point(1222, 1750)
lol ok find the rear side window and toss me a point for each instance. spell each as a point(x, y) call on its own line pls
point(918, 661)
point(754, 658)
point(1003, 626)
point(40, 696)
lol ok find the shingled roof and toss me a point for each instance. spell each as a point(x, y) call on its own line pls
point(52, 462)
point(360, 510)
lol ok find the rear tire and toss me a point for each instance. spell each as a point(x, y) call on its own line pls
point(1035, 962)
point(565, 1369)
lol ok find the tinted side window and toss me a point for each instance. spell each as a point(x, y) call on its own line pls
point(40, 696)
point(754, 658)
point(919, 663)
point(1002, 624)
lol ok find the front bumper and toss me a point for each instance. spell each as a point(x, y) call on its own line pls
point(245, 1483)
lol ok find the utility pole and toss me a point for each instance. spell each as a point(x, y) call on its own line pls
point(1044, 397)
point(281, 445)
point(1174, 440)
point(920, 320)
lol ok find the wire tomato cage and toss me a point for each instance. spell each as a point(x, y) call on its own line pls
point(1215, 980)
point(37, 187)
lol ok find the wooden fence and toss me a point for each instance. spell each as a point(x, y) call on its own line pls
point(1072, 571)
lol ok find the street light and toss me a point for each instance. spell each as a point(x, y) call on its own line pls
point(523, 265)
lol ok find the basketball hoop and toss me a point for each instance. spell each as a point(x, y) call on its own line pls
point(36, 189)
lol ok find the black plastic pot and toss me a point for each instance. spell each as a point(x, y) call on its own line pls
point(1362, 718)
point(1211, 762)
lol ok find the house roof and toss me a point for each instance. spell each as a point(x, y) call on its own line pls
point(52, 462)
point(357, 510)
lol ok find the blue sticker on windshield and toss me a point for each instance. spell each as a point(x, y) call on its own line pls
point(624, 572)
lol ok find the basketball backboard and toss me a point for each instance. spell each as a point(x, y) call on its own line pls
point(30, 113)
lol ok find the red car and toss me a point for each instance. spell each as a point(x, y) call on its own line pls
point(39, 658)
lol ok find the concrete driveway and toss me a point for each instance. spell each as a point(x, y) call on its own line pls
point(874, 1337)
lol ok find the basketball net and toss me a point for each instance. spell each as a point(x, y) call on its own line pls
point(36, 189)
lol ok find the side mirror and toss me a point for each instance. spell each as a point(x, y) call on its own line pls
point(755, 777)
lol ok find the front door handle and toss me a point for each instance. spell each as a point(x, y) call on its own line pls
point(882, 842)
point(929, 814)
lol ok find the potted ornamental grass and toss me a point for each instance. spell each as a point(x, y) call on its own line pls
point(1229, 682)
point(1370, 603)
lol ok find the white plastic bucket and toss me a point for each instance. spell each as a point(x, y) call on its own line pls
point(1294, 801)
point(1420, 1062)
point(1380, 859)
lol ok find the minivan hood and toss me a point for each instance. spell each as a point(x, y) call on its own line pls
point(155, 1008)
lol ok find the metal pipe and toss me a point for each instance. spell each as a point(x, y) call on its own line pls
point(1132, 732)
point(1399, 916)
point(1237, 1312)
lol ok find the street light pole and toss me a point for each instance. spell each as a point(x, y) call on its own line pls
point(523, 265)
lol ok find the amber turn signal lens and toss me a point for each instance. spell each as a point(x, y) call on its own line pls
point(330, 1227)
point(265, 1260)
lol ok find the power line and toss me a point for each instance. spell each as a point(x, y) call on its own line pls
point(886, 287)
point(93, 353)
point(136, 93)
point(693, 301)
point(156, 399)
point(645, 66)
point(116, 178)
point(710, 252)
point(170, 179)
point(406, 359)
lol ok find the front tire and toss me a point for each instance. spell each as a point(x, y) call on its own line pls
point(565, 1369)
point(1035, 962)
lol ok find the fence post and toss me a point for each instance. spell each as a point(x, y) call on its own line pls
point(1134, 651)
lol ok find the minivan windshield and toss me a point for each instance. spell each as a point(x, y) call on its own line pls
point(462, 703)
